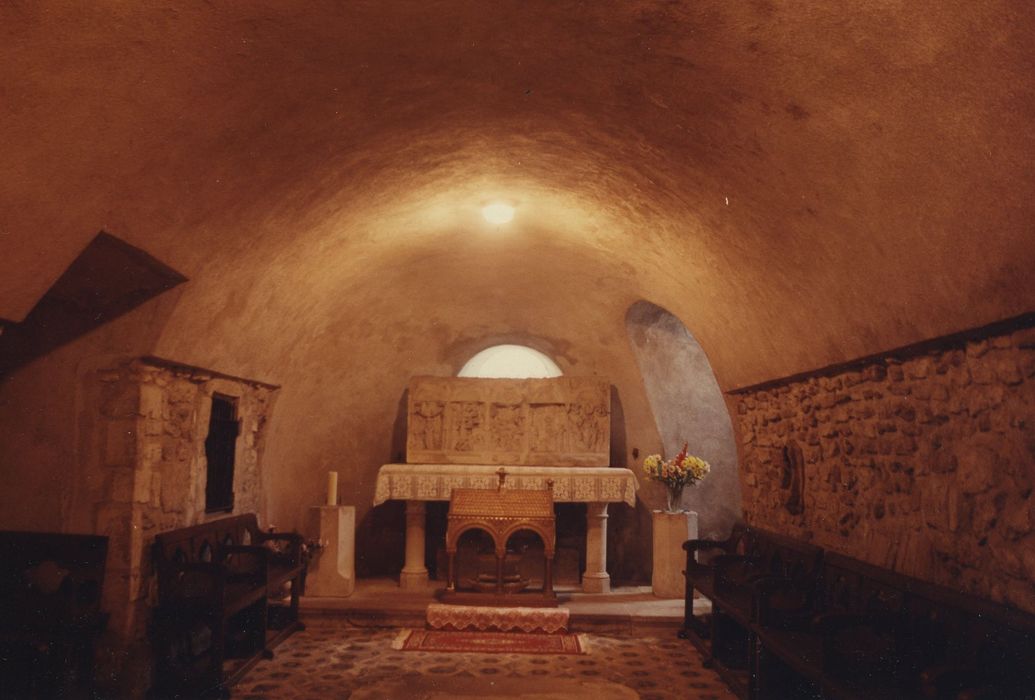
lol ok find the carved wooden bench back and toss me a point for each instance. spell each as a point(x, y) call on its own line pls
point(200, 543)
point(848, 584)
point(783, 556)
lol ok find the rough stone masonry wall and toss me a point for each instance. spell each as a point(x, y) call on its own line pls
point(148, 469)
point(923, 463)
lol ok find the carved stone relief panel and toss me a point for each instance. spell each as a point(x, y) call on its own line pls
point(564, 421)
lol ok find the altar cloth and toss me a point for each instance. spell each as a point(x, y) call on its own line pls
point(435, 482)
point(482, 618)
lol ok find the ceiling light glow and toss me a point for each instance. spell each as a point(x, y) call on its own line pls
point(498, 213)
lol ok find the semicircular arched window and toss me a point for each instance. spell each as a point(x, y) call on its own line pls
point(510, 362)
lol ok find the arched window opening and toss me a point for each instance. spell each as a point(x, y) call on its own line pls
point(510, 362)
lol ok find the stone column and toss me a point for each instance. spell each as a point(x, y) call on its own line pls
point(332, 573)
point(414, 574)
point(671, 530)
point(596, 579)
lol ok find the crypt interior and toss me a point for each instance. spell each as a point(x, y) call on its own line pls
point(770, 228)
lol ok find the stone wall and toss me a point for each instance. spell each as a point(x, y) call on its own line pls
point(923, 462)
point(144, 424)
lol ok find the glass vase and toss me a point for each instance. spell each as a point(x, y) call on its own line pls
point(673, 498)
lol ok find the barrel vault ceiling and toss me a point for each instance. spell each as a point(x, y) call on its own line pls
point(800, 183)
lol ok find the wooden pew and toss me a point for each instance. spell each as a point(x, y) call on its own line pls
point(869, 632)
point(50, 613)
point(214, 582)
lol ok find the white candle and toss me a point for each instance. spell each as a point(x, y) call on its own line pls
point(332, 488)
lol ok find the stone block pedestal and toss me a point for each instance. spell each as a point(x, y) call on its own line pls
point(332, 574)
point(671, 530)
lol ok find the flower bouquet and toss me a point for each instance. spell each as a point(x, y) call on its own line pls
point(675, 474)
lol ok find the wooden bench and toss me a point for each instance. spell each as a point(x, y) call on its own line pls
point(872, 633)
point(768, 560)
point(700, 574)
point(817, 624)
point(214, 583)
point(50, 613)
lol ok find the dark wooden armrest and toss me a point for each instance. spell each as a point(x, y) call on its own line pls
point(692, 547)
point(696, 545)
point(294, 539)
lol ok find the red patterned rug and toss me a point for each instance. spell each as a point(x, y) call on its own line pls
point(489, 642)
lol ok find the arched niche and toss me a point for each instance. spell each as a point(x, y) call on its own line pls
point(510, 362)
point(688, 406)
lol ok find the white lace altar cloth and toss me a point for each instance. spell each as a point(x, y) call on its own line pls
point(435, 482)
point(476, 618)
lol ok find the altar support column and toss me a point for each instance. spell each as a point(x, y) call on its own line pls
point(414, 574)
point(596, 579)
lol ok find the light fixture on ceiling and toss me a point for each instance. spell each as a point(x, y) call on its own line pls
point(498, 213)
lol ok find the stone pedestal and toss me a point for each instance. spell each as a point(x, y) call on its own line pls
point(332, 574)
point(671, 530)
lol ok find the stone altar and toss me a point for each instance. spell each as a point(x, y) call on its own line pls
point(594, 486)
point(460, 430)
point(563, 421)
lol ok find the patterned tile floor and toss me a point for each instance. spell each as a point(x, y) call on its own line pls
point(335, 659)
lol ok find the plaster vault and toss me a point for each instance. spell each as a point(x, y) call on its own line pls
point(798, 186)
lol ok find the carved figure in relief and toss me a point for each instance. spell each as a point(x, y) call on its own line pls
point(562, 421)
point(793, 478)
point(589, 424)
point(427, 424)
point(601, 428)
point(507, 424)
point(466, 425)
point(549, 427)
point(580, 427)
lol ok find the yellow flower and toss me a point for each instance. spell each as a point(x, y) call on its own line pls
point(696, 467)
point(651, 464)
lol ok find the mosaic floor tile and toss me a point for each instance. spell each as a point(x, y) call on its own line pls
point(333, 659)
